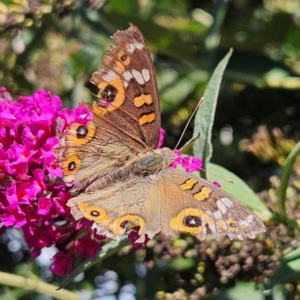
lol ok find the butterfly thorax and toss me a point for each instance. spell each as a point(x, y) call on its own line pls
point(152, 161)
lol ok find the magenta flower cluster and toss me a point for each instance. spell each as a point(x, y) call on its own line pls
point(33, 195)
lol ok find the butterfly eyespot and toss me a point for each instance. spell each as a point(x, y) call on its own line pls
point(81, 132)
point(109, 93)
point(72, 166)
point(95, 213)
point(192, 221)
point(123, 57)
point(232, 224)
point(124, 61)
point(119, 225)
point(124, 224)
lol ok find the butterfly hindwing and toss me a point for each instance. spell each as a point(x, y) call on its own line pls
point(173, 201)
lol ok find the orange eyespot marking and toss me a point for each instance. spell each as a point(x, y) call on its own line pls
point(189, 220)
point(81, 134)
point(96, 214)
point(119, 225)
point(124, 60)
point(112, 92)
point(149, 118)
point(221, 224)
point(203, 194)
point(188, 184)
point(232, 224)
point(71, 166)
point(142, 100)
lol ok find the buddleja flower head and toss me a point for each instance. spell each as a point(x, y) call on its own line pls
point(33, 195)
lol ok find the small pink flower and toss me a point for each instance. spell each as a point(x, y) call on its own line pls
point(12, 215)
point(44, 206)
point(161, 138)
point(134, 235)
point(62, 263)
point(177, 160)
point(87, 247)
point(191, 164)
point(216, 183)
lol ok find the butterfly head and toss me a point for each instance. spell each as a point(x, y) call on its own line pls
point(167, 155)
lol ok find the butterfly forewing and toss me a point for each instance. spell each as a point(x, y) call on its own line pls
point(127, 84)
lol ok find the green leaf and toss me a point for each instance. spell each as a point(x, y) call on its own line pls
point(285, 176)
point(239, 189)
point(243, 290)
point(251, 290)
point(205, 115)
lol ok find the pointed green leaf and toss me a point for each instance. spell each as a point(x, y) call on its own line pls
point(239, 189)
point(286, 174)
point(205, 115)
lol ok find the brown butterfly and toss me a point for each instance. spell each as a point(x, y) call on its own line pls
point(120, 174)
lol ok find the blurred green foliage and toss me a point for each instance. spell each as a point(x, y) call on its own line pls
point(57, 45)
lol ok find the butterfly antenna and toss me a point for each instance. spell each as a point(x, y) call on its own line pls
point(188, 122)
point(226, 179)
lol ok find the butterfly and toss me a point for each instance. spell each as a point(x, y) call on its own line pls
point(121, 176)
